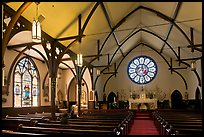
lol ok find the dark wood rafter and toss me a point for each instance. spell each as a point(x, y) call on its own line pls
point(98, 48)
point(101, 66)
point(79, 29)
point(196, 58)
point(108, 60)
point(11, 25)
point(69, 38)
point(196, 47)
point(89, 17)
point(104, 87)
point(12, 66)
point(20, 25)
point(92, 77)
point(196, 73)
point(21, 45)
point(157, 53)
point(171, 25)
point(192, 38)
point(30, 56)
point(171, 65)
point(114, 72)
point(69, 68)
point(79, 69)
point(51, 60)
point(193, 46)
point(179, 55)
point(18, 56)
point(111, 26)
point(144, 30)
point(151, 10)
point(178, 68)
point(66, 59)
point(82, 31)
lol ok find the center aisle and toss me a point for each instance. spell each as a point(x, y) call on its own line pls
point(143, 125)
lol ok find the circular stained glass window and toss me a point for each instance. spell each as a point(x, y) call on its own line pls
point(142, 69)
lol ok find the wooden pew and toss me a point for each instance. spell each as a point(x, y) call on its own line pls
point(62, 131)
point(39, 119)
point(90, 123)
point(77, 126)
point(12, 124)
point(13, 133)
point(178, 122)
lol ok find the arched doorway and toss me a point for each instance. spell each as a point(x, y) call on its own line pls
point(176, 100)
point(73, 95)
point(111, 99)
point(197, 94)
point(198, 102)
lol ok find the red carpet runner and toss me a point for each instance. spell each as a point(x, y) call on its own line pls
point(143, 125)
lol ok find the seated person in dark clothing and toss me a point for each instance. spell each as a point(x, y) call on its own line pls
point(72, 115)
point(64, 119)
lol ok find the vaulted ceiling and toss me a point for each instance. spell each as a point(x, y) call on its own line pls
point(117, 27)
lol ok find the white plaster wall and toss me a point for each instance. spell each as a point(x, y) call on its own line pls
point(67, 76)
point(87, 78)
point(8, 59)
point(165, 81)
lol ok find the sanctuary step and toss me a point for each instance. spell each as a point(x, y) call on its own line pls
point(143, 115)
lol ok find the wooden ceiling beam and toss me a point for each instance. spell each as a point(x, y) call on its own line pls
point(179, 68)
point(197, 58)
point(90, 56)
point(22, 45)
point(101, 66)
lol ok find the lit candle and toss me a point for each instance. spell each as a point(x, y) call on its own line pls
point(114, 99)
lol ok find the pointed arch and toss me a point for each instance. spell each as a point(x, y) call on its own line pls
point(26, 85)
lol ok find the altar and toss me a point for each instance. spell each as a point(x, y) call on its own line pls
point(150, 104)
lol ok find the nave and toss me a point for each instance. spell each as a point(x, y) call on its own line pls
point(102, 68)
point(107, 122)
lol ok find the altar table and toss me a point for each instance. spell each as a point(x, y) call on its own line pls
point(151, 103)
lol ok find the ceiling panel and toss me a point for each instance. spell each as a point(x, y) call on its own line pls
point(61, 20)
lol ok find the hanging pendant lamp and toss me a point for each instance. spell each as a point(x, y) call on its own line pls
point(36, 27)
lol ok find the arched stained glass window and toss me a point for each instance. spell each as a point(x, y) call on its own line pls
point(26, 87)
point(142, 69)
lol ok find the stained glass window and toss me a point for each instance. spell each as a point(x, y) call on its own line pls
point(26, 87)
point(142, 69)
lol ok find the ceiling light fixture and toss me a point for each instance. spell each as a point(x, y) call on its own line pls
point(36, 27)
point(193, 65)
point(79, 56)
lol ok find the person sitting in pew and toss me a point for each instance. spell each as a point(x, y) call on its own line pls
point(72, 114)
point(64, 119)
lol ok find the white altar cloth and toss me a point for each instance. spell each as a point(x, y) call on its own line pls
point(134, 103)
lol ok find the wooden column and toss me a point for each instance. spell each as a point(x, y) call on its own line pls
point(79, 79)
point(53, 90)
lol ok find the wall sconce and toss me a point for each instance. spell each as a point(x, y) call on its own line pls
point(36, 28)
point(98, 72)
point(193, 65)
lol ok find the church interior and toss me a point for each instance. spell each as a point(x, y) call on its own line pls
point(101, 68)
